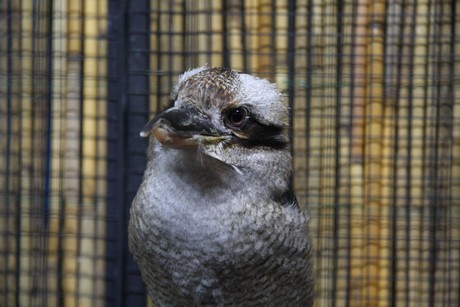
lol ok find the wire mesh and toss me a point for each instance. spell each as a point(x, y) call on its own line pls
point(53, 153)
point(373, 88)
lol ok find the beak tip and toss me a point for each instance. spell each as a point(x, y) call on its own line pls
point(144, 134)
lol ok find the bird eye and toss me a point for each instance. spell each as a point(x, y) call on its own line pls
point(237, 117)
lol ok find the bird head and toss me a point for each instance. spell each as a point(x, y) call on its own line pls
point(227, 115)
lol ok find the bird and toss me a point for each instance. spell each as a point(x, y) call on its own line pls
point(215, 221)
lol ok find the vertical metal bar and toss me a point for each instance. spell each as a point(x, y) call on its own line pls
point(159, 58)
point(48, 149)
point(426, 137)
point(18, 211)
point(225, 49)
point(188, 60)
point(9, 50)
point(397, 145)
point(49, 101)
point(273, 26)
point(434, 158)
point(351, 155)
point(337, 176)
point(60, 269)
point(452, 78)
point(96, 203)
point(36, 176)
point(409, 176)
point(81, 178)
point(393, 243)
point(291, 74)
point(244, 34)
point(390, 215)
point(308, 94)
point(169, 30)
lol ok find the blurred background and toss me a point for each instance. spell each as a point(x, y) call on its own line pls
point(374, 92)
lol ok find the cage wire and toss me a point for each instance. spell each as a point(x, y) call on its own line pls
point(373, 88)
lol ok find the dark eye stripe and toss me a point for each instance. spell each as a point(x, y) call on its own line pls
point(250, 132)
point(258, 134)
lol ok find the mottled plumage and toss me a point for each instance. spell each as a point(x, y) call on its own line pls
point(214, 221)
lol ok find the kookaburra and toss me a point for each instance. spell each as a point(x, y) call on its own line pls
point(214, 221)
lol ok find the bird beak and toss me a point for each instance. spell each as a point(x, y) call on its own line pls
point(182, 127)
